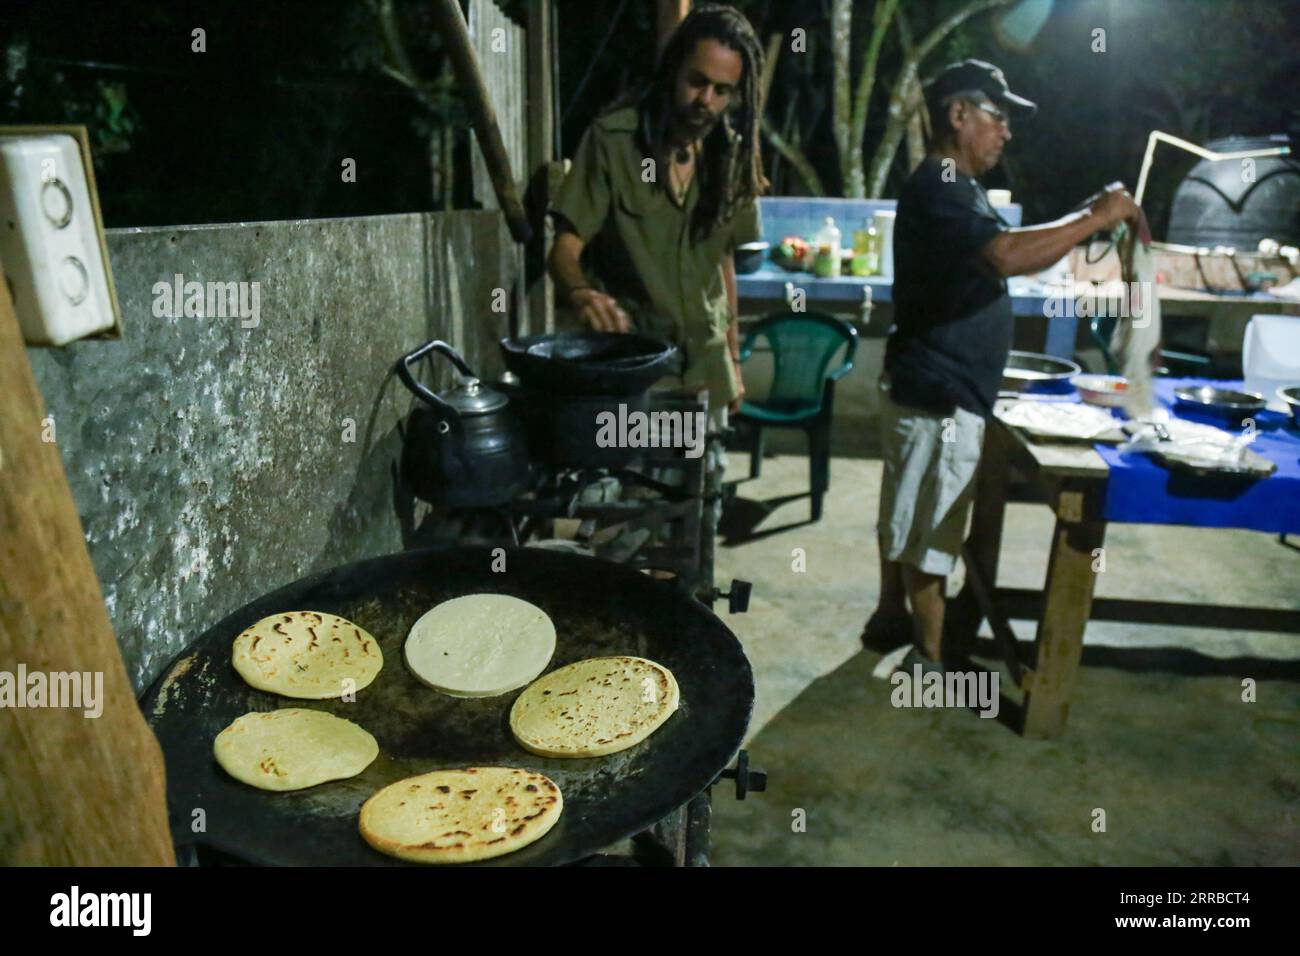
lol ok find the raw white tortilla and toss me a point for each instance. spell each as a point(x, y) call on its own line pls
point(480, 645)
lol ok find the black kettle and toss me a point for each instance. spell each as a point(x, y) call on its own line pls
point(465, 447)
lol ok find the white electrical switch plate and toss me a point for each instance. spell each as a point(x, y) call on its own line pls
point(51, 240)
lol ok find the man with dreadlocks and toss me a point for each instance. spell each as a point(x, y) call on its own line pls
point(663, 187)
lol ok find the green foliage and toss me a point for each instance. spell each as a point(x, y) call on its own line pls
point(114, 120)
point(38, 93)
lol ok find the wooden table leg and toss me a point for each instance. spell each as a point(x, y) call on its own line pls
point(1078, 535)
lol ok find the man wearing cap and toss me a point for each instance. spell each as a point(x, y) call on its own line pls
point(948, 346)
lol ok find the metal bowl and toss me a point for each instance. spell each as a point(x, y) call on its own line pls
point(1221, 401)
point(1290, 395)
point(1032, 372)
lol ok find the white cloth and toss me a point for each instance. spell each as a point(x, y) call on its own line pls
point(1137, 335)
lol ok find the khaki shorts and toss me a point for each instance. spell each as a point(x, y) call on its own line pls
point(926, 484)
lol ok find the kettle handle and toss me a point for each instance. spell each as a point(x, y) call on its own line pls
point(418, 389)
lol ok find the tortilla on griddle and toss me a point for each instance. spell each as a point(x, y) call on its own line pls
point(308, 655)
point(480, 645)
point(293, 748)
point(457, 816)
point(594, 707)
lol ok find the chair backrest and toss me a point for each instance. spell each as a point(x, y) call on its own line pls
point(803, 344)
point(1270, 354)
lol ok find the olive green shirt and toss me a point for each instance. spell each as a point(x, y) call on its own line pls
point(639, 248)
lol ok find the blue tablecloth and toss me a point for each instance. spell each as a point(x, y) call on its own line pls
point(1143, 492)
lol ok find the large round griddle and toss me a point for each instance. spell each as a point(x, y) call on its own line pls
point(599, 609)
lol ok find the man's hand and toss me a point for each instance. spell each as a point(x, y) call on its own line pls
point(600, 311)
point(1114, 206)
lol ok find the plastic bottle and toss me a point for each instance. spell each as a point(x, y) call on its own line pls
point(866, 250)
point(827, 262)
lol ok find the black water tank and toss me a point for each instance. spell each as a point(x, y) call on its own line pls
point(1215, 207)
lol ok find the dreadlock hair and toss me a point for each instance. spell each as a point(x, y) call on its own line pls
point(730, 168)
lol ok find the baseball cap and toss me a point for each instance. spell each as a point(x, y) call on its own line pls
point(971, 75)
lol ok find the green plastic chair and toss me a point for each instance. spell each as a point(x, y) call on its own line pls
point(802, 393)
point(1176, 363)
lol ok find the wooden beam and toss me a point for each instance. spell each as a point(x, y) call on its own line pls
point(669, 13)
point(74, 790)
point(541, 149)
point(450, 22)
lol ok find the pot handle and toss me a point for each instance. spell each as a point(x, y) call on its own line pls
point(418, 389)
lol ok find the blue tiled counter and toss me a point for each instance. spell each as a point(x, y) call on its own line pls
point(796, 216)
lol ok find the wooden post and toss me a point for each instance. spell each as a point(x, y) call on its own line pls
point(450, 22)
point(541, 148)
point(74, 790)
point(667, 16)
point(1067, 605)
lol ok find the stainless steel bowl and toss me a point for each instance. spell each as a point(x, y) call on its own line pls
point(1032, 372)
point(1224, 401)
point(1290, 395)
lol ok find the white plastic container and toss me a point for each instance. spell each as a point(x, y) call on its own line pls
point(49, 243)
point(884, 220)
point(1270, 356)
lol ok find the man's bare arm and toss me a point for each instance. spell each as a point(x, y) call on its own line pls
point(1018, 252)
point(733, 327)
point(598, 310)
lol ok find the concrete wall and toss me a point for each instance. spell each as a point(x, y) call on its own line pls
point(211, 462)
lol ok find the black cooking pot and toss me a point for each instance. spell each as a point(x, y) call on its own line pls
point(588, 363)
point(463, 448)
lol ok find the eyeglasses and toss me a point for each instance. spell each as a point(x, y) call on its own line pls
point(997, 114)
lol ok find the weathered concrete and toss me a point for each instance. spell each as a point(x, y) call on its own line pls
point(1158, 737)
point(212, 463)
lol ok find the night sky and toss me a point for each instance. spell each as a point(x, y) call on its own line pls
point(257, 126)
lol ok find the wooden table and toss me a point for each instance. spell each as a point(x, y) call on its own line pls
point(1072, 478)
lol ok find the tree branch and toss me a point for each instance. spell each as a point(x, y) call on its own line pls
point(769, 64)
point(795, 157)
point(855, 181)
point(896, 125)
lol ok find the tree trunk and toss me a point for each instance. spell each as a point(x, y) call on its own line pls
point(795, 157)
point(915, 100)
point(854, 179)
point(896, 125)
point(915, 141)
point(841, 104)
